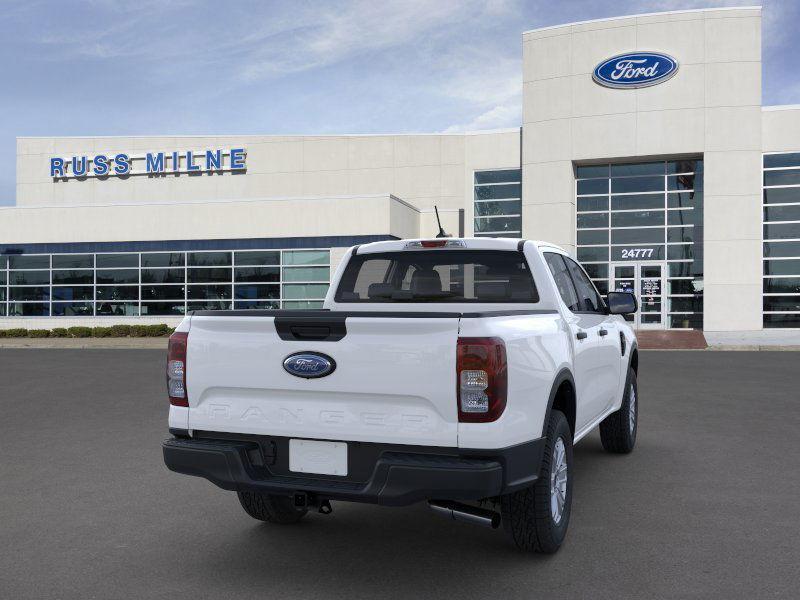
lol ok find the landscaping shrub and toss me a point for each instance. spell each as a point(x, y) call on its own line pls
point(158, 330)
point(80, 332)
point(138, 330)
point(120, 330)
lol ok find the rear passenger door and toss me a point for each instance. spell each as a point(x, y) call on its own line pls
point(584, 328)
point(606, 379)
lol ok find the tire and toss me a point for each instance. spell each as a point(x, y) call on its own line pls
point(618, 430)
point(270, 508)
point(531, 516)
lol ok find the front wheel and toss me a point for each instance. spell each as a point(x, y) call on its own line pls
point(618, 430)
point(537, 517)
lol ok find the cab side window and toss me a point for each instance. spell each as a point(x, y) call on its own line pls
point(589, 299)
point(563, 280)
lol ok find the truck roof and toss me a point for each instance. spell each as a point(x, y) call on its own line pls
point(480, 243)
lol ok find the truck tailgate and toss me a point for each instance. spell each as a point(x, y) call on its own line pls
point(394, 380)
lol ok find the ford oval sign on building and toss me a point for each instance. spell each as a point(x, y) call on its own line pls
point(309, 365)
point(635, 70)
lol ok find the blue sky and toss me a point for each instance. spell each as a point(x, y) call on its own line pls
point(151, 67)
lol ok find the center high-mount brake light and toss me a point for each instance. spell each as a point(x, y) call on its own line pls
point(481, 379)
point(435, 244)
point(176, 369)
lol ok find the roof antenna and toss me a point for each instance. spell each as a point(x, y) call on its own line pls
point(441, 233)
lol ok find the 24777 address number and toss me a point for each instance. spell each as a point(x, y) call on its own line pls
point(637, 252)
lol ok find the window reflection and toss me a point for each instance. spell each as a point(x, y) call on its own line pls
point(497, 203)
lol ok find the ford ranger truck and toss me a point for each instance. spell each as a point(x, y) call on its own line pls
point(458, 372)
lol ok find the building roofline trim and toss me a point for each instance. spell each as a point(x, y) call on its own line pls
point(652, 14)
point(267, 135)
point(215, 201)
point(781, 107)
point(194, 245)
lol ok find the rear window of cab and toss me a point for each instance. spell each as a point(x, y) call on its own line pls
point(444, 276)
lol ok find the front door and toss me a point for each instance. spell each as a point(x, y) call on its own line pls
point(646, 281)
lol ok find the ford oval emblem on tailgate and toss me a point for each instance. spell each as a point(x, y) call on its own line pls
point(309, 365)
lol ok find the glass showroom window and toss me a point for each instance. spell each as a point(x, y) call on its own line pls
point(129, 284)
point(649, 212)
point(781, 300)
point(498, 204)
point(3, 285)
point(28, 279)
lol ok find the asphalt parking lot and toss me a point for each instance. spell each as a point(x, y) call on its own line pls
point(708, 506)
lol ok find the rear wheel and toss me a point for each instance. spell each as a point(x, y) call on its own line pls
point(537, 517)
point(270, 508)
point(618, 430)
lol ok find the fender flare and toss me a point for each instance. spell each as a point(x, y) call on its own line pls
point(632, 349)
point(563, 375)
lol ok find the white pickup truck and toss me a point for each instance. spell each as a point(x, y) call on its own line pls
point(454, 371)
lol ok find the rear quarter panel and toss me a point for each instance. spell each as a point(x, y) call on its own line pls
point(537, 349)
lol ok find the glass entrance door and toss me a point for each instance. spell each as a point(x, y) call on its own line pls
point(646, 281)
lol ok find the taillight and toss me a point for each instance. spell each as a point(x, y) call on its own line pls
point(482, 384)
point(176, 369)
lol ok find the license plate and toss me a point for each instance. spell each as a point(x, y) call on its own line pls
point(321, 458)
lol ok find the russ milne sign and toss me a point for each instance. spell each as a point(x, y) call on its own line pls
point(151, 163)
point(635, 70)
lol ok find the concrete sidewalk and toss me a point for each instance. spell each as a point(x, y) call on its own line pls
point(766, 339)
point(96, 343)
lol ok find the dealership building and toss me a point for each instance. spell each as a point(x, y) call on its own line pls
point(644, 150)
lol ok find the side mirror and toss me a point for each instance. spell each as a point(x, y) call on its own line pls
point(622, 303)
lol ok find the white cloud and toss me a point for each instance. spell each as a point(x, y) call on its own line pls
point(338, 33)
point(786, 94)
point(777, 14)
point(490, 90)
point(497, 117)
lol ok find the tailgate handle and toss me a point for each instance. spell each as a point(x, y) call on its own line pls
point(302, 329)
point(310, 332)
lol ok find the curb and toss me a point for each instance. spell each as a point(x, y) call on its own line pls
point(729, 348)
point(754, 348)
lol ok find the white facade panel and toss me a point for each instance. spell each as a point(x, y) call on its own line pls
point(781, 128)
point(244, 219)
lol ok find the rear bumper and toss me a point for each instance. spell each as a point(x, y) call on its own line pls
point(396, 475)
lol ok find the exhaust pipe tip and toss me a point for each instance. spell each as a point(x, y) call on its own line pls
point(466, 513)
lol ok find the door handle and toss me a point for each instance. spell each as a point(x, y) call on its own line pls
point(603, 332)
point(582, 335)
